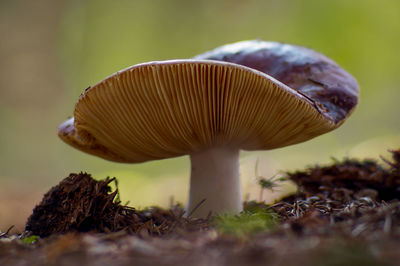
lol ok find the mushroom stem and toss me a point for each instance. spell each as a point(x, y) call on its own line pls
point(215, 179)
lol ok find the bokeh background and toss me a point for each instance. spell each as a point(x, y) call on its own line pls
point(51, 50)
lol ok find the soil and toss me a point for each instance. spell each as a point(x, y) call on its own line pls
point(347, 213)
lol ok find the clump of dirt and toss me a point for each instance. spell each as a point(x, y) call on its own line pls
point(351, 180)
point(81, 204)
point(350, 198)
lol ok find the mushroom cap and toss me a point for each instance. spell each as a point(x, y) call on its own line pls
point(251, 95)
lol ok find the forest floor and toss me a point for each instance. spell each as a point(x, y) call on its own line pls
point(346, 213)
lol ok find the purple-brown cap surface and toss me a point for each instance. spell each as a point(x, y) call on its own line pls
point(332, 89)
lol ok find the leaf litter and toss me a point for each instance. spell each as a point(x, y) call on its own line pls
point(347, 213)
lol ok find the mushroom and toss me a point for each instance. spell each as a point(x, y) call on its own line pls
point(251, 95)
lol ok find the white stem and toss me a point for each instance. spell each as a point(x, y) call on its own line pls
point(215, 179)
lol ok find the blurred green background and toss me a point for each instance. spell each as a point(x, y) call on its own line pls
point(51, 50)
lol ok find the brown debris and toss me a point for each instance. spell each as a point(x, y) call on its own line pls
point(349, 198)
point(351, 180)
point(81, 204)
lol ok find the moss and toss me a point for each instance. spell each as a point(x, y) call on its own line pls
point(246, 223)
